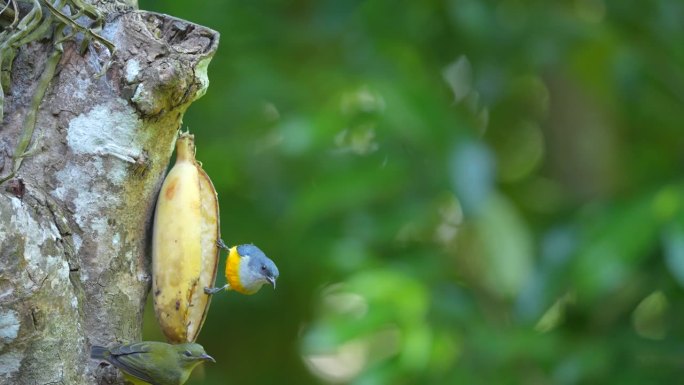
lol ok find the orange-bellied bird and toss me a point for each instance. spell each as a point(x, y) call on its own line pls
point(247, 269)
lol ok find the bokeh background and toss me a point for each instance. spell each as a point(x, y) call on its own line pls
point(455, 191)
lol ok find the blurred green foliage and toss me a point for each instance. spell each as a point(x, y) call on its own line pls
point(455, 191)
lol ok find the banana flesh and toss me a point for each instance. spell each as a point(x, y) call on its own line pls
point(184, 252)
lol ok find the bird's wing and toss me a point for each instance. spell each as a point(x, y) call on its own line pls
point(140, 347)
point(132, 359)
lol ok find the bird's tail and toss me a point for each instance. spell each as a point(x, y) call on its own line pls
point(99, 352)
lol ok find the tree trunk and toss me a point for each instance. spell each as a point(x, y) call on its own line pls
point(76, 217)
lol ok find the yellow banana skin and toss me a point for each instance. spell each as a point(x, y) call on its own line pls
point(184, 251)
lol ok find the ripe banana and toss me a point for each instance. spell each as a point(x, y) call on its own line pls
point(184, 246)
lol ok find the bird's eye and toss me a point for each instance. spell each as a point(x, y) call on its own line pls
point(187, 353)
point(263, 267)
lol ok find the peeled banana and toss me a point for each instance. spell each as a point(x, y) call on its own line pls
point(184, 246)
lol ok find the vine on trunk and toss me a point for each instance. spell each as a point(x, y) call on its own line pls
point(60, 24)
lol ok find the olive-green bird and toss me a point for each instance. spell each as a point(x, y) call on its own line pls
point(155, 363)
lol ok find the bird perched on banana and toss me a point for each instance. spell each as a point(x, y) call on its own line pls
point(151, 362)
point(247, 269)
point(186, 249)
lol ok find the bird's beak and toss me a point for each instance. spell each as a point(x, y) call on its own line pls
point(272, 281)
point(207, 357)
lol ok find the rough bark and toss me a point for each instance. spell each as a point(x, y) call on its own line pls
point(74, 221)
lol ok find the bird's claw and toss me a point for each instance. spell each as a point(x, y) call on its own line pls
point(221, 244)
point(214, 290)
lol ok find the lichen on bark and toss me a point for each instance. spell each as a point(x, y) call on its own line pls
point(74, 255)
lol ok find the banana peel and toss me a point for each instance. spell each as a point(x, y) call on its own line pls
point(184, 246)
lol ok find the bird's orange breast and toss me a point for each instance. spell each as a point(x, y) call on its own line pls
point(233, 270)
